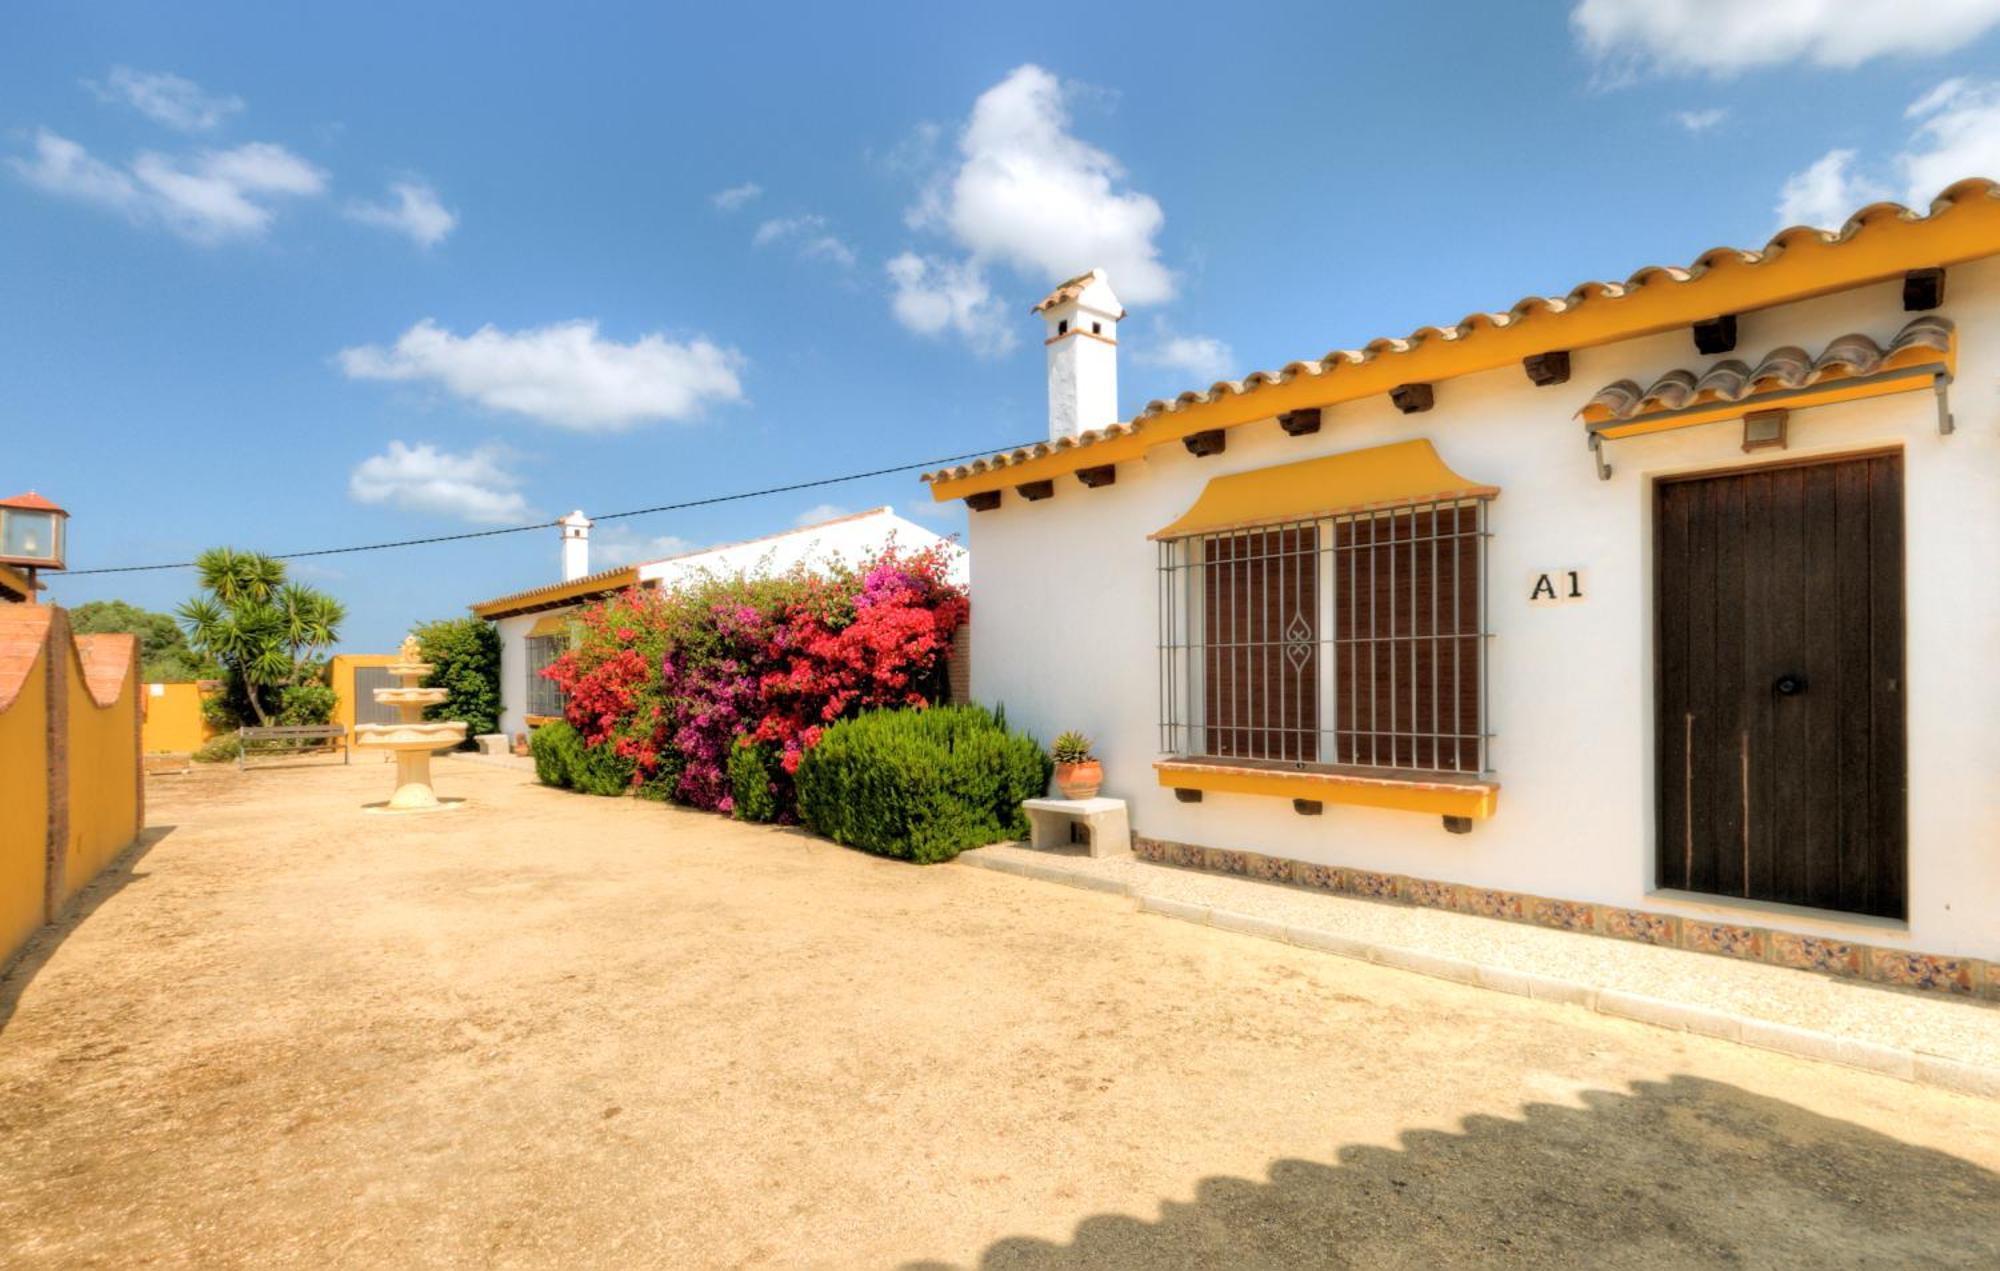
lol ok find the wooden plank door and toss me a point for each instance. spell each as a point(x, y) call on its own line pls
point(1779, 657)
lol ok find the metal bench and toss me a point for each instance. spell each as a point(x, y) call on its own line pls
point(293, 738)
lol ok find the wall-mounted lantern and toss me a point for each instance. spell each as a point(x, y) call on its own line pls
point(31, 533)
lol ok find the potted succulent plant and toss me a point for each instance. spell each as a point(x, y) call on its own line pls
point(1078, 774)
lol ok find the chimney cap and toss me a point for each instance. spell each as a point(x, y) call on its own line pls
point(575, 518)
point(1072, 290)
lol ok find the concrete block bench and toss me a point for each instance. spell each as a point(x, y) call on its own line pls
point(1104, 820)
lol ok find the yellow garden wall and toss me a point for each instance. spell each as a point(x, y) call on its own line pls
point(103, 762)
point(24, 804)
point(73, 797)
point(341, 676)
point(174, 725)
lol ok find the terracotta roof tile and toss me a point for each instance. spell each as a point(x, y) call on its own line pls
point(1784, 368)
point(1068, 289)
point(1588, 293)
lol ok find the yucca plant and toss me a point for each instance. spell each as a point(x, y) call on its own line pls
point(1071, 747)
point(264, 630)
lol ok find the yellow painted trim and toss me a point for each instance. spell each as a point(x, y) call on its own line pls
point(536, 721)
point(551, 624)
point(1380, 476)
point(543, 597)
point(1434, 798)
point(1825, 393)
point(1799, 266)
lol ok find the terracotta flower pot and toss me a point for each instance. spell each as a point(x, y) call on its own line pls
point(1079, 780)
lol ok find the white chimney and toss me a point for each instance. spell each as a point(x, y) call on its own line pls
point(1083, 319)
point(575, 545)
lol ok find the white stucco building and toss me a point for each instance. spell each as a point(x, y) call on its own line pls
point(1660, 609)
point(534, 623)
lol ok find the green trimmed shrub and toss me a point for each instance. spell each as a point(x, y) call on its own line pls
point(563, 758)
point(922, 785)
point(753, 781)
point(464, 654)
point(553, 747)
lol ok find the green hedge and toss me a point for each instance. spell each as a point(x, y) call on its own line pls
point(922, 785)
point(754, 781)
point(562, 759)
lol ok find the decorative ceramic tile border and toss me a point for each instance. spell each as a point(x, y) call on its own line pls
point(1825, 954)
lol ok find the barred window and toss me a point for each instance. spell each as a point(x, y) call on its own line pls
point(544, 698)
point(1355, 640)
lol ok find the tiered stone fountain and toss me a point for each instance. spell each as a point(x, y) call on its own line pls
point(412, 738)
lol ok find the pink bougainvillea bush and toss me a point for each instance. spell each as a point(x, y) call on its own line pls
point(675, 681)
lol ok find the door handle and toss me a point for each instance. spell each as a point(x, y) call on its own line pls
point(1789, 685)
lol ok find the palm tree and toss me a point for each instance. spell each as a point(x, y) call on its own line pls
point(265, 630)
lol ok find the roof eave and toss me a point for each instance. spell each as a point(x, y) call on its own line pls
point(1878, 243)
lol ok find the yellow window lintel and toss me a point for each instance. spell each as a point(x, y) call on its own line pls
point(1394, 475)
point(1434, 797)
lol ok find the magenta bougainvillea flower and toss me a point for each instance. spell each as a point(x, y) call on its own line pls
point(674, 680)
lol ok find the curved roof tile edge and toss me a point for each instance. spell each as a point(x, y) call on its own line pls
point(1971, 187)
point(1787, 366)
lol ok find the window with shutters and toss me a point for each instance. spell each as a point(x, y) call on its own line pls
point(1354, 641)
point(543, 697)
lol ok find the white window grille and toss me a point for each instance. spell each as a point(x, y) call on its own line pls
point(1356, 640)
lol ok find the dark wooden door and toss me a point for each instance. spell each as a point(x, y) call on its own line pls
point(1779, 597)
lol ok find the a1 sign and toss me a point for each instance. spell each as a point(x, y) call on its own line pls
point(1557, 587)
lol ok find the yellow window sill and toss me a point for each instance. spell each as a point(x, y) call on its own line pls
point(536, 721)
point(1436, 794)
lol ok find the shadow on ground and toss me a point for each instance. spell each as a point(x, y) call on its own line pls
point(1682, 1172)
point(122, 872)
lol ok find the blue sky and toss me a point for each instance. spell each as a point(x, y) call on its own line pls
point(289, 278)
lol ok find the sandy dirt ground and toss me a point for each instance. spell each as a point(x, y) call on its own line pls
point(555, 1030)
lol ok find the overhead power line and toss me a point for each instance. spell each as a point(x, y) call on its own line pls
point(543, 525)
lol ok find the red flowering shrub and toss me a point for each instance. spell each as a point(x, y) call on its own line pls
point(674, 680)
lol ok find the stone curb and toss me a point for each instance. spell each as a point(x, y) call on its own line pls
point(1787, 1039)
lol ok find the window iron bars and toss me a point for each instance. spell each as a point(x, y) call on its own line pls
point(543, 697)
point(1357, 640)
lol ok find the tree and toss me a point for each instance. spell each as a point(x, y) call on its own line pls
point(465, 654)
point(265, 632)
point(164, 655)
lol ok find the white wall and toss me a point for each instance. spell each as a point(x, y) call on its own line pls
point(1065, 621)
point(852, 539)
point(514, 672)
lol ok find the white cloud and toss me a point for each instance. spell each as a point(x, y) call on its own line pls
point(1724, 37)
point(475, 486)
point(1957, 135)
point(61, 166)
point(415, 213)
point(1825, 194)
point(564, 374)
point(1699, 121)
point(1201, 357)
point(207, 196)
point(811, 236)
point(933, 296)
point(621, 545)
point(821, 512)
point(166, 99)
point(736, 196)
point(1958, 138)
point(1030, 195)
